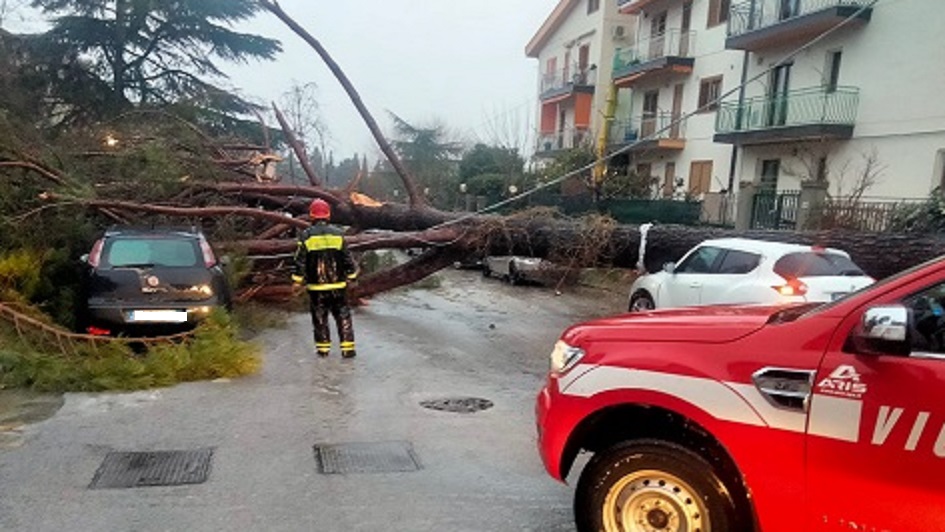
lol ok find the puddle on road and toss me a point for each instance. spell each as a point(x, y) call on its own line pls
point(19, 408)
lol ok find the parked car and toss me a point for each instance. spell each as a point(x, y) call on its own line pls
point(777, 418)
point(151, 280)
point(518, 270)
point(739, 271)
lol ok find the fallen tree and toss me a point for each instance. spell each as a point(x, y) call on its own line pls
point(266, 215)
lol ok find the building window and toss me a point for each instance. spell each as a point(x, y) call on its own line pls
point(833, 70)
point(709, 91)
point(718, 12)
point(592, 6)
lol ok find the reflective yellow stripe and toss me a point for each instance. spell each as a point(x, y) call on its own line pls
point(321, 242)
point(352, 277)
point(347, 344)
point(324, 287)
point(297, 278)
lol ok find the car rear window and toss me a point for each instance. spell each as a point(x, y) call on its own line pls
point(167, 252)
point(811, 264)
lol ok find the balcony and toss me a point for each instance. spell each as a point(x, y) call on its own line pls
point(805, 114)
point(561, 83)
point(758, 24)
point(633, 6)
point(668, 53)
point(550, 144)
point(661, 131)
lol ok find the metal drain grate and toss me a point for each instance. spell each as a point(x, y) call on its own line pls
point(462, 405)
point(159, 468)
point(379, 457)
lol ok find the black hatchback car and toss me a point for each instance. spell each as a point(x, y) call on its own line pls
point(143, 281)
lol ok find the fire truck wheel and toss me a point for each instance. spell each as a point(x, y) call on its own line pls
point(652, 485)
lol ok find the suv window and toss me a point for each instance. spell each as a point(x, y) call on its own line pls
point(739, 262)
point(811, 264)
point(701, 260)
point(167, 252)
point(928, 312)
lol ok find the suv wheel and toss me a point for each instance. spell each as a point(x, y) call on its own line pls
point(648, 485)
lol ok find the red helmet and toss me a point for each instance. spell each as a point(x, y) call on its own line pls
point(319, 209)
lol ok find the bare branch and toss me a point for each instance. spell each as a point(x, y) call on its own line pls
point(416, 198)
point(36, 167)
point(297, 148)
point(187, 212)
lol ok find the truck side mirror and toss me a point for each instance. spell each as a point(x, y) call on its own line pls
point(884, 330)
point(669, 267)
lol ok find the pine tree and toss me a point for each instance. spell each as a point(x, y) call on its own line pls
point(159, 52)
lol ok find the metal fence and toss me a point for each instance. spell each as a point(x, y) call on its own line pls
point(671, 43)
point(570, 76)
point(775, 210)
point(861, 215)
point(646, 126)
point(815, 105)
point(563, 140)
point(756, 14)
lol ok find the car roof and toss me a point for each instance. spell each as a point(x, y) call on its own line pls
point(129, 230)
point(765, 247)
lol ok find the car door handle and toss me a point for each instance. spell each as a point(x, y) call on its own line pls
point(695, 285)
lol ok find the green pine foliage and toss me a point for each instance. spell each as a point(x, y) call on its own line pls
point(214, 351)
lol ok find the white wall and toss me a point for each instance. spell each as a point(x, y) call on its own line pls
point(711, 59)
point(595, 29)
point(897, 60)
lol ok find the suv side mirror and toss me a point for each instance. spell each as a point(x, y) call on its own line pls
point(884, 330)
point(669, 267)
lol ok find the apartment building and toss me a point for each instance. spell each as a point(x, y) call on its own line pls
point(574, 48)
point(863, 102)
point(678, 65)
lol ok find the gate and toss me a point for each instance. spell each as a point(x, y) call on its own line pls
point(775, 210)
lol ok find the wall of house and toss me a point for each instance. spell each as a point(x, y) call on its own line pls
point(896, 61)
point(596, 30)
point(711, 59)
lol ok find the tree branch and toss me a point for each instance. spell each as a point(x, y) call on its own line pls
point(297, 148)
point(188, 212)
point(41, 170)
point(416, 198)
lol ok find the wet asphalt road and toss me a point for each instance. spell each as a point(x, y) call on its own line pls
point(479, 472)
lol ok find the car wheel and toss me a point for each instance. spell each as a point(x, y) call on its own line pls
point(650, 485)
point(641, 302)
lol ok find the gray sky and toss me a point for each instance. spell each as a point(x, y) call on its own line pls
point(460, 62)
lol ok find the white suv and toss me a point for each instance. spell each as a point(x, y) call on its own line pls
point(738, 271)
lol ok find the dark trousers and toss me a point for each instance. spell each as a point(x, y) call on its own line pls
point(335, 302)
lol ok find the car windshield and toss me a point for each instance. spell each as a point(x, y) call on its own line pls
point(813, 264)
point(150, 252)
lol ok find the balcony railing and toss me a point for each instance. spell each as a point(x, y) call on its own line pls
point(648, 127)
point(673, 43)
point(567, 77)
point(563, 140)
point(812, 106)
point(756, 14)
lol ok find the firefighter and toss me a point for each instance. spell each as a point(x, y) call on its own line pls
point(324, 264)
